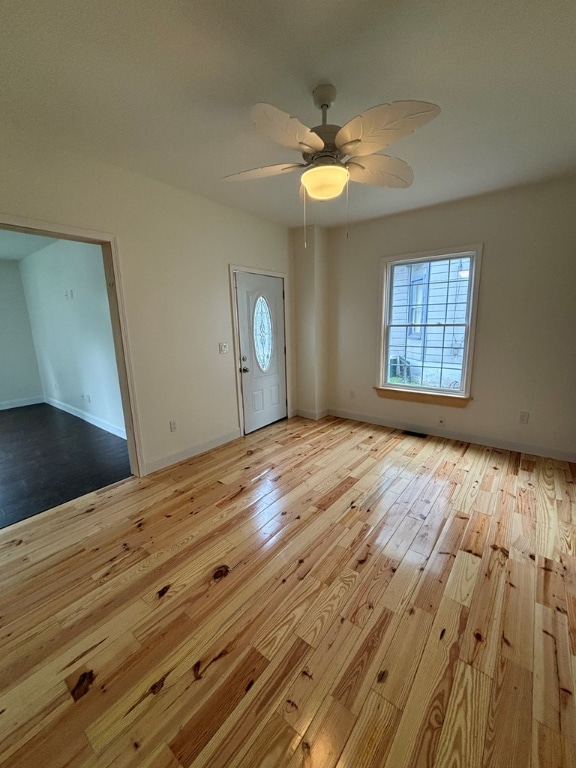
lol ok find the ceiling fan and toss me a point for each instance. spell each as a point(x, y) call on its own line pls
point(332, 155)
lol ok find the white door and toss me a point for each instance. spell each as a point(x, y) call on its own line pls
point(260, 302)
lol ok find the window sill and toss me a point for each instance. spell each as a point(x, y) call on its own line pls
point(423, 397)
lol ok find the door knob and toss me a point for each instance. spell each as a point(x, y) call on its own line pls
point(245, 370)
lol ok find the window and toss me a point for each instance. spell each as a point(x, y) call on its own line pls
point(429, 313)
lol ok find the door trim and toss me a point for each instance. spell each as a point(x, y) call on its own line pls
point(111, 261)
point(233, 268)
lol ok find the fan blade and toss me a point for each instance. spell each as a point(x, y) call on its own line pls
point(380, 171)
point(378, 127)
point(266, 170)
point(278, 126)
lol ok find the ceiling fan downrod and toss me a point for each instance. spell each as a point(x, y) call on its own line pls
point(324, 96)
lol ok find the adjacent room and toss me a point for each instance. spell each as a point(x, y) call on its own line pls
point(61, 421)
point(310, 268)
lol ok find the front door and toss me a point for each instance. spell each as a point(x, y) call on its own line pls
point(260, 302)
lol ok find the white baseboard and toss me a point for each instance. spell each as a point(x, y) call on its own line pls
point(506, 445)
point(188, 453)
point(94, 420)
point(315, 415)
point(6, 404)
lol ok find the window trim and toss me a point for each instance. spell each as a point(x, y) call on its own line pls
point(403, 391)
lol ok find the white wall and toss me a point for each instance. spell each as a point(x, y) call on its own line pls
point(174, 251)
point(19, 377)
point(525, 357)
point(67, 302)
point(310, 320)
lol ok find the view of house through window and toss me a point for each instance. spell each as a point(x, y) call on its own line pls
point(427, 327)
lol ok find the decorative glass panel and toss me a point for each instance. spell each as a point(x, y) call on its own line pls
point(262, 333)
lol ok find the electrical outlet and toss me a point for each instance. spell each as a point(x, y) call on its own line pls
point(442, 421)
point(172, 426)
point(524, 417)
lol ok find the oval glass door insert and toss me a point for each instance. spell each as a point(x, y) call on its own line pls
point(262, 329)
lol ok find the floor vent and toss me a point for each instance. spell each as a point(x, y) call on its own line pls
point(413, 434)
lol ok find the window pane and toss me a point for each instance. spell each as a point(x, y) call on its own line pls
point(399, 370)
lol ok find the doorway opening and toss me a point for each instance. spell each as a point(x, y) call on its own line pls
point(66, 411)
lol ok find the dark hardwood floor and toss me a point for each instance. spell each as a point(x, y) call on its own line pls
point(48, 457)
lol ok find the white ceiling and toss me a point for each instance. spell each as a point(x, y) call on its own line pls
point(165, 88)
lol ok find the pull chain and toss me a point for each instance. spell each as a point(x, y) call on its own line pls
point(347, 186)
point(303, 193)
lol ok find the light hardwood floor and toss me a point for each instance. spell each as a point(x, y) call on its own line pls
point(316, 595)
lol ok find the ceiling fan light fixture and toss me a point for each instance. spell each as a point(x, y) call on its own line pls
point(325, 182)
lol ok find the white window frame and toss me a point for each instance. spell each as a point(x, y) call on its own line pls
point(387, 264)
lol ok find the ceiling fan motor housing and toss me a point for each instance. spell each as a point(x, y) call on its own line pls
point(330, 151)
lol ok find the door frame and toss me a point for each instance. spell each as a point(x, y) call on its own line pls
point(111, 262)
point(233, 268)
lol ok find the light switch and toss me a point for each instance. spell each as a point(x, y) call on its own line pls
point(223, 347)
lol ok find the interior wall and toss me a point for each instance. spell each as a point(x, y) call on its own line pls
point(174, 250)
point(19, 376)
point(321, 273)
point(524, 357)
point(309, 260)
point(67, 302)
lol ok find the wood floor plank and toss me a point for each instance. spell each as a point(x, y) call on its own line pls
point(239, 732)
point(273, 747)
point(403, 583)
point(464, 730)
point(402, 658)
point(550, 750)
point(508, 737)
point(313, 595)
point(547, 524)
point(474, 540)
point(161, 758)
point(553, 692)
point(197, 732)
point(517, 638)
point(359, 674)
point(463, 576)
point(328, 605)
point(523, 538)
point(439, 566)
point(370, 590)
point(481, 642)
point(316, 679)
point(372, 735)
point(418, 733)
point(324, 740)
point(284, 619)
